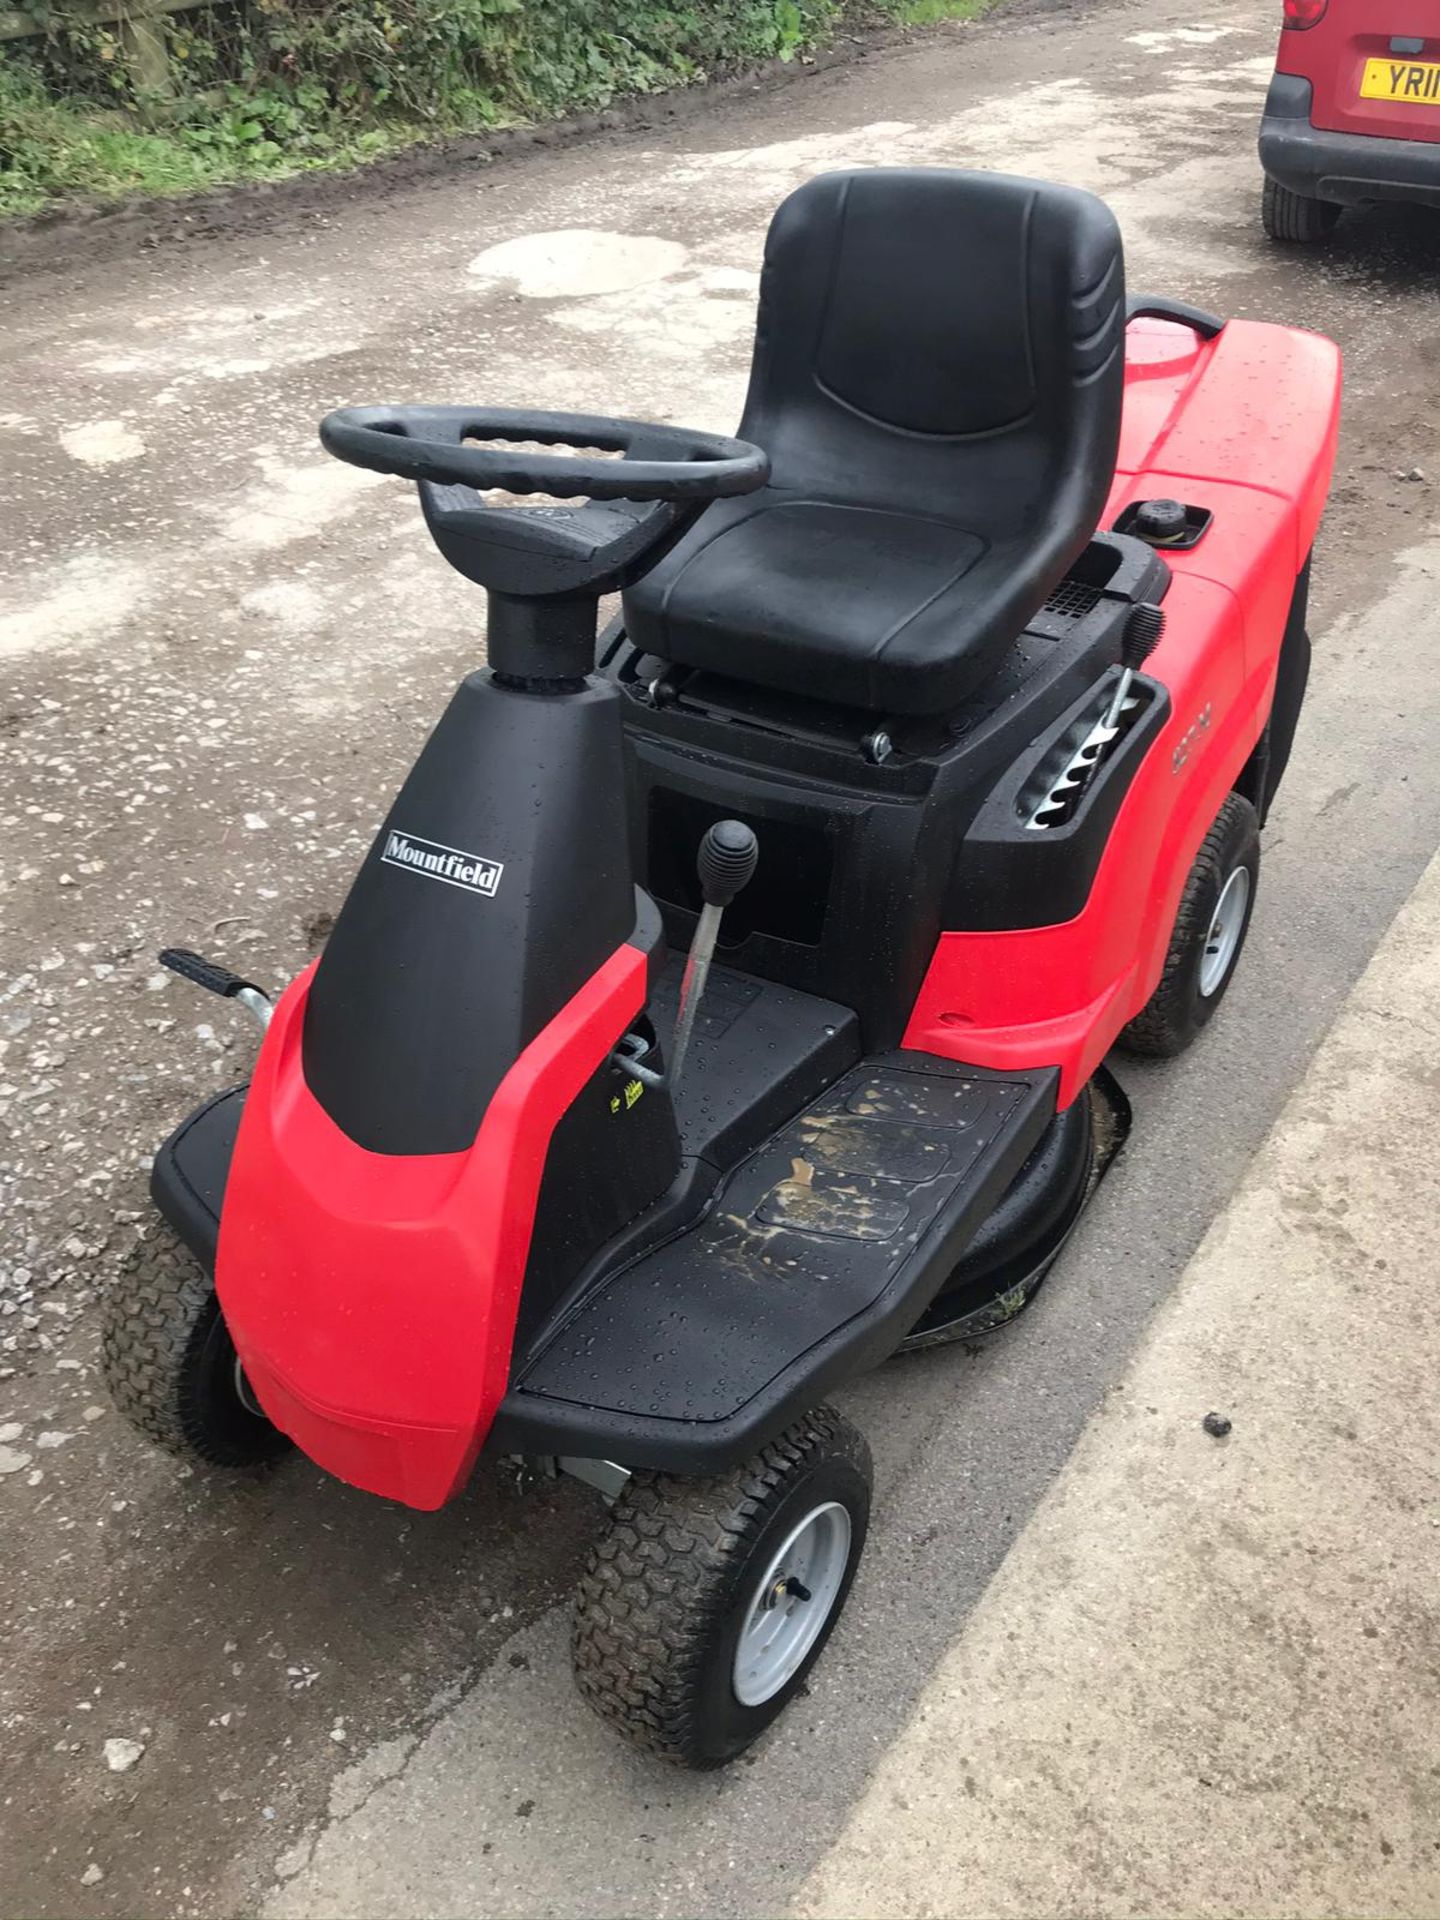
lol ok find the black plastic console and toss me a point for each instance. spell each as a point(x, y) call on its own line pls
point(878, 833)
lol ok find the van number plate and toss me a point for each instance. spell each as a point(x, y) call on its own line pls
point(1417, 80)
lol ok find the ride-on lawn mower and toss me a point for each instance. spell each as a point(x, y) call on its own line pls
point(936, 732)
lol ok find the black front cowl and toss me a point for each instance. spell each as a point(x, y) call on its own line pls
point(500, 882)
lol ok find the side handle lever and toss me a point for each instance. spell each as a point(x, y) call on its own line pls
point(1143, 631)
point(726, 863)
point(217, 979)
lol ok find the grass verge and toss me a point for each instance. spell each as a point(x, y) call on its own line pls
point(265, 89)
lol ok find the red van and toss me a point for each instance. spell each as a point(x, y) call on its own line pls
point(1353, 112)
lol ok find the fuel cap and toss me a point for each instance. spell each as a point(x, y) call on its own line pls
point(1161, 522)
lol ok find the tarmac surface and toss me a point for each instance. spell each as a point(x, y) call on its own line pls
point(219, 651)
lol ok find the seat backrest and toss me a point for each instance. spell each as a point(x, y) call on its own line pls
point(944, 341)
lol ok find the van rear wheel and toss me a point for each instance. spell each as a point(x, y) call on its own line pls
point(1296, 219)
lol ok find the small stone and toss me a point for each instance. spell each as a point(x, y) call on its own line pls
point(339, 1736)
point(92, 1876)
point(49, 1441)
point(1216, 1425)
point(12, 1460)
point(122, 1755)
point(11, 1430)
point(92, 1414)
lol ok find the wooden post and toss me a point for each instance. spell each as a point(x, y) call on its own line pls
point(143, 39)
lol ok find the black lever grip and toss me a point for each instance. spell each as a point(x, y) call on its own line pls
point(1147, 306)
point(1143, 629)
point(727, 860)
point(201, 972)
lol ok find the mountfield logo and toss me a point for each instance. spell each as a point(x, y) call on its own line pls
point(472, 871)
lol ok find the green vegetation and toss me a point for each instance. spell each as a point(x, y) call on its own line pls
point(262, 88)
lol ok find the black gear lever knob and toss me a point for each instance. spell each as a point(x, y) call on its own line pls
point(1143, 629)
point(727, 860)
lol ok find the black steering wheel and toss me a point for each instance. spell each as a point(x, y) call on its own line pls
point(569, 546)
point(658, 463)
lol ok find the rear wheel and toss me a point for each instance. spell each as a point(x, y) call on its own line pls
point(171, 1365)
point(1209, 936)
point(1296, 219)
point(707, 1602)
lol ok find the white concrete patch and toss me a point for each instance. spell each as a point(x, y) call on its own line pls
point(289, 604)
point(687, 314)
point(100, 443)
point(76, 603)
point(813, 153)
point(224, 343)
point(1178, 37)
point(291, 503)
point(577, 262)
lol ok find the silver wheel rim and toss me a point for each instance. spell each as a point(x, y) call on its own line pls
point(1222, 942)
point(245, 1393)
point(791, 1603)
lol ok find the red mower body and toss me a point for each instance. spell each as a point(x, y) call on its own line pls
point(1246, 425)
point(373, 1297)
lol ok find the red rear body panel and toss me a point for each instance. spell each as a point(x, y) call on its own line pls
point(372, 1298)
point(1245, 425)
point(1332, 54)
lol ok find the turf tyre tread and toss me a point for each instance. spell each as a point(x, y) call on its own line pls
point(162, 1348)
point(1176, 1013)
point(663, 1582)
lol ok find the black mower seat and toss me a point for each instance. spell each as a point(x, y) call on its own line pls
point(937, 379)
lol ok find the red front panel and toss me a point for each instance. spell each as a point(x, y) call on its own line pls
point(1245, 425)
point(373, 1298)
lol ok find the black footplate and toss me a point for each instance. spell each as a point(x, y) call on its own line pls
point(816, 1258)
point(187, 1182)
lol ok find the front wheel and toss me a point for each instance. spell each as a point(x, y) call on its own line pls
point(1209, 936)
point(171, 1365)
point(707, 1602)
point(1296, 219)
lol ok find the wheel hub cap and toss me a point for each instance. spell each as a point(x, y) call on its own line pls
point(245, 1393)
point(790, 1604)
point(1226, 926)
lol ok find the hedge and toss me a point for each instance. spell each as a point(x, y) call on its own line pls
point(261, 88)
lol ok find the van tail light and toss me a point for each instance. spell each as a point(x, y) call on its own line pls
point(1304, 13)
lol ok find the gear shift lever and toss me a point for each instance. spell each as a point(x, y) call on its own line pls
point(726, 863)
